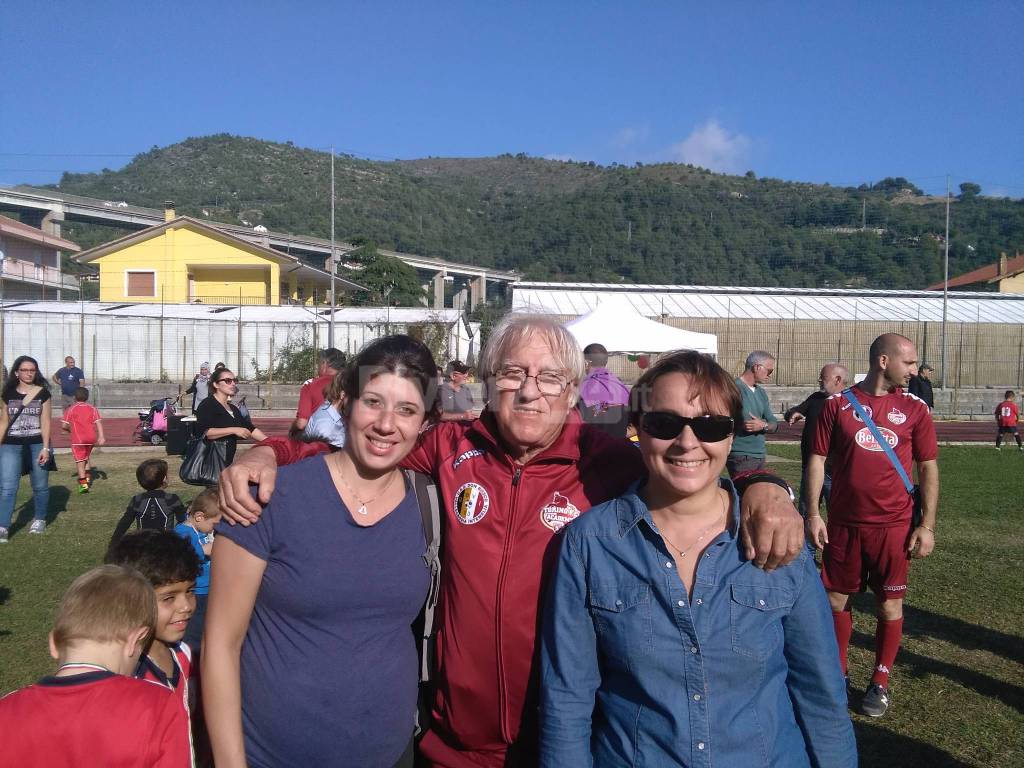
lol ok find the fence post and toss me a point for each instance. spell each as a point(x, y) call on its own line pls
point(184, 353)
point(93, 367)
point(239, 371)
point(160, 375)
point(270, 374)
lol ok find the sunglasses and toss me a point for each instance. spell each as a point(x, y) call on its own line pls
point(664, 425)
point(226, 381)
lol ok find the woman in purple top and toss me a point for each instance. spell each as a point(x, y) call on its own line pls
point(309, 656)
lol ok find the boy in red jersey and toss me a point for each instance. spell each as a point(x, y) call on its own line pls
point(1007, 417)
point(870, 537)
point(83, 422)
point(172, 567)
point(78, 716)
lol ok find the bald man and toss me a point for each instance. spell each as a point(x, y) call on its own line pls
point(870, 537)
point(831, 380)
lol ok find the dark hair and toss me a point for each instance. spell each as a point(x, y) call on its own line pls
point(218, 366)
point(334, 358)
point(151, 473)
point(401, 355)
point(708, 381)
point(1008, 394)
point(214, 378)
point(457, 366)
point(163, 557)
point(596, 355)
point(10, 391)
point(81, 394)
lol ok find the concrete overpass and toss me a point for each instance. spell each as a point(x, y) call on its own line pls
point(48, 209)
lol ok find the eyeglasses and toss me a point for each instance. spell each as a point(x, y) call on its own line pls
point(548, 382)
point(226, 381)
point(665, 425)
point(767, 371)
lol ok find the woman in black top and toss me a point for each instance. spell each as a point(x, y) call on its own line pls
point(219, 419)
point(24, 430)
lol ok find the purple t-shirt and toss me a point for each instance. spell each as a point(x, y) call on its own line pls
point(329, 665)
point(601, 387)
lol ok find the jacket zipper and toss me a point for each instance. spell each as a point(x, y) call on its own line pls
point(517, 473)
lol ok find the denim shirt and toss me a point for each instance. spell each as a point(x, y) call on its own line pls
point(744, 672)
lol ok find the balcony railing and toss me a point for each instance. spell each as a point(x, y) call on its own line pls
point(27, 272)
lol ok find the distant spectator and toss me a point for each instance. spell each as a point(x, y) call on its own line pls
point(219, 419)
point(748, 449)
point(327, 424)
point(199, 388)
point(456, 398)
point(154, 509)
point(25, 442)
point(1007, 417)
point(604, 399)
point(312, 394)
point(69, 378)
point(831, 380)
point(83, 422)
point(921, 385)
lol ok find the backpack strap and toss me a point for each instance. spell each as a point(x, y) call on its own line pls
point(889, 452)
point(430, 511)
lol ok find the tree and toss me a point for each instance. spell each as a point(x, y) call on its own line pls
point(389, 280)
point(969, 190)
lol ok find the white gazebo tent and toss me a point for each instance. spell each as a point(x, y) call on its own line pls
point(620, 328)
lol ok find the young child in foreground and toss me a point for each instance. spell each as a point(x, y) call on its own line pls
point(88, 712)
point(154, 509)
point(83, 422)
point(203, 515)
point(170, 565)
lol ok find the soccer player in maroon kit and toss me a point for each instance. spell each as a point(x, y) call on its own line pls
point(869, 538)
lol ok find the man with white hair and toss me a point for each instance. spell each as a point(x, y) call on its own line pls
point(748, 452)
point(508, 483)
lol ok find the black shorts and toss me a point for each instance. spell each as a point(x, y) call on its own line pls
point(1008, 430)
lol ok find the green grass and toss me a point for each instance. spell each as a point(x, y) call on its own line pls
point(958, 683)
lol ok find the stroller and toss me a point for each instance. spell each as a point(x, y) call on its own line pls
point(152, 426)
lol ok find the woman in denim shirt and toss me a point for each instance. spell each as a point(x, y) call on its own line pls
point(662, 645)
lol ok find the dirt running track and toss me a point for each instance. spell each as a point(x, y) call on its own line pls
point(119, 431)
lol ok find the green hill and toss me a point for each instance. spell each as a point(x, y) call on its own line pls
point(664, 223)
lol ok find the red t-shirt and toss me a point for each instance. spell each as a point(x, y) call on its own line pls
point(82, 417)
point(95, 718)
point(311, 396)
point(866, 488)
point(1007, 413)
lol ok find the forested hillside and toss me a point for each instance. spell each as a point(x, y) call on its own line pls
point(549, 219)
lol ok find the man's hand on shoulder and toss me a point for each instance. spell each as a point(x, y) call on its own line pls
point(771, 529)
point(256, 467)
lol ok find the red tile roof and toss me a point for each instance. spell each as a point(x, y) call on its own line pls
point(986, 274)
point(15, 228)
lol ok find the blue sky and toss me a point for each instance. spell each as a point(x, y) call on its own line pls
point(820, 92)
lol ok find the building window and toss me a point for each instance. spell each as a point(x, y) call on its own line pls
point(140, 283)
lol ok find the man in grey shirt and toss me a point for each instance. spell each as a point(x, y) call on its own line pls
point(456, 398)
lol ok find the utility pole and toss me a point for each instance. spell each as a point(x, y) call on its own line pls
point(863, 216)
point(330, 326)
point(945, 288)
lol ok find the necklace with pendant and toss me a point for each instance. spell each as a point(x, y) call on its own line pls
point(362, 510)
point(683, 552)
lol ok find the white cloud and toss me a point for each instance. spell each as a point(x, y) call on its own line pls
point(629, 136)
point(711, 146)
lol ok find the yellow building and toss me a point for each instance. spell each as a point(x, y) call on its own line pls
point(185, 260)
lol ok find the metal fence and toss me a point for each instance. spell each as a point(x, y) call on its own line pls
point(120, 348)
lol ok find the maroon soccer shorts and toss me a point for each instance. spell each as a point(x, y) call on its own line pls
point(81, 452)
point(856, 556)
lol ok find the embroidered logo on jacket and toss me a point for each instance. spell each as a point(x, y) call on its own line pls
point(559, 512)
point(466, 457)
point(896, 416)
point(867, 441)
point(471, 503)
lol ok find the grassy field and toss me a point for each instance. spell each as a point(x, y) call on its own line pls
point(958, 683)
